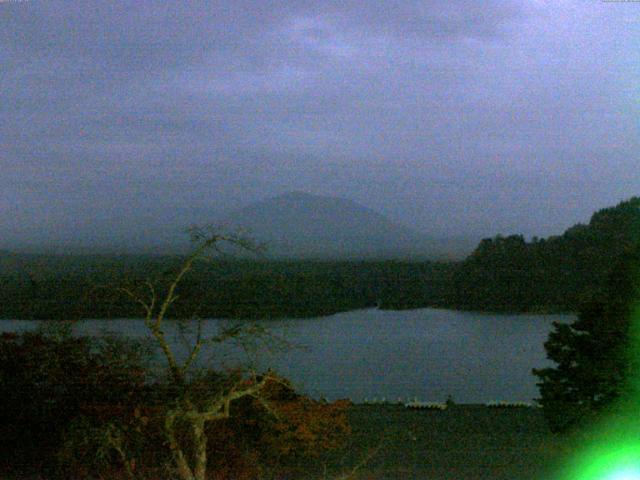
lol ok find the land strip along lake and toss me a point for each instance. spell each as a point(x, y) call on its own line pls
point(423, 353)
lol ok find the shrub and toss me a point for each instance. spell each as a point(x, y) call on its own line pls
point(282, 432)
point(47, 380)
point(80, 408)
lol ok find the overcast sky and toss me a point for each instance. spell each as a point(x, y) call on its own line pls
point(456, 117)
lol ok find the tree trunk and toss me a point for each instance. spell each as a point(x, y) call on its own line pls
point(200, 449)
point(182, 465)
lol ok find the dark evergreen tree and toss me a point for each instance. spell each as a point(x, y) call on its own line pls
point(594, 355)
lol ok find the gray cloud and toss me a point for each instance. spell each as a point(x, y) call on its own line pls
point(456, 117)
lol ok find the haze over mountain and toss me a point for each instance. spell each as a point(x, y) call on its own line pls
point(292, 225)
point(301, 225)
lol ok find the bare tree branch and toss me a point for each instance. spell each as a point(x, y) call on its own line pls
point(215, 405)
point(147, 307)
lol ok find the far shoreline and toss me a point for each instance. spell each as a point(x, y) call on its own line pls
point(541, 312)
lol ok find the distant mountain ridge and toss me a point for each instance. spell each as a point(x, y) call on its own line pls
point(302, 225)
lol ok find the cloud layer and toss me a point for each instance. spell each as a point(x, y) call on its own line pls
point(122, 120)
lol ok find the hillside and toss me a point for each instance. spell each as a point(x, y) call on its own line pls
point(554, 274)
point(300, 225)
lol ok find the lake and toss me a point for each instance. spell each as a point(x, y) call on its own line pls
point(423, 353)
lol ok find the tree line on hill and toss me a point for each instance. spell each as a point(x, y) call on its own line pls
point(558, 274)
point(503, 274)
point(87, 287)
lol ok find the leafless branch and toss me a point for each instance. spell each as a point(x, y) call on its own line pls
point(197, 411)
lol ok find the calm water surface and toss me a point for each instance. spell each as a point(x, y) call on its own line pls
point(424, 353)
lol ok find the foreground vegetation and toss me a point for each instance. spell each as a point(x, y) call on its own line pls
point(88, 408)
point(120, 438)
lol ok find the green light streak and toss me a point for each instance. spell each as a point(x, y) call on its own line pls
point(632, 473)
point(610, 450)
point(611, 462)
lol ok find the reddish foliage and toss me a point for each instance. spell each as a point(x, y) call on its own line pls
point(307, 427)
point(294, 427)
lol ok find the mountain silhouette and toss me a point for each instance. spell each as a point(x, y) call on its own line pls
point(301, 225)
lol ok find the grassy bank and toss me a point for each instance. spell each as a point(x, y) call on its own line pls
point(462, 442)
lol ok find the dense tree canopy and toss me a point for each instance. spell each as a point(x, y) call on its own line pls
point(595, 358)
point(49, 287)
point(555, 274)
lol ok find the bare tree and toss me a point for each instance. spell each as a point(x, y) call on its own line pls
point(190, 409)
